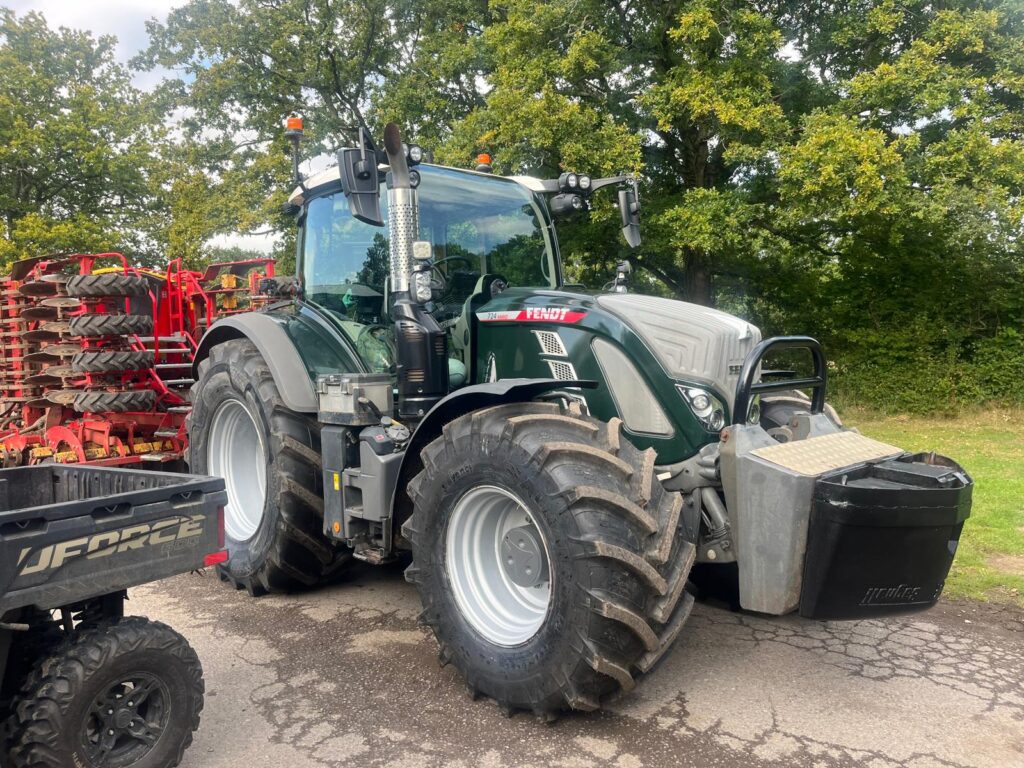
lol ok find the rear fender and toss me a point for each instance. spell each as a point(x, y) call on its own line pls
point(297, 345)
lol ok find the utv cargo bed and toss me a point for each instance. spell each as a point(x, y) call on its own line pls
point(68, 533)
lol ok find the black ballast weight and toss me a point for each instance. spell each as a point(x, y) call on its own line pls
point(882, 537)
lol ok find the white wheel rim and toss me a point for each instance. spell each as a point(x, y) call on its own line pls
point(503, 612)
point(235, 453)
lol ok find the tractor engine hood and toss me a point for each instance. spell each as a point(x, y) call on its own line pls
point(692, 342)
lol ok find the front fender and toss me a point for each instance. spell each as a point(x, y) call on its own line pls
point(462, 401)
point(297, 345)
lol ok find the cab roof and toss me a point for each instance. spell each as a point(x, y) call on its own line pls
point(327, 181)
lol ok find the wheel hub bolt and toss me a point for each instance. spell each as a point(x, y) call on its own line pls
point(522, 556)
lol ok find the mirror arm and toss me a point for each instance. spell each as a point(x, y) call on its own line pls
point(597, 184)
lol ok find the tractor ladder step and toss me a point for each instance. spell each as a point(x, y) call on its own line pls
point(164, 366)
point(166, 433)
point(179, 409)
point(179, 382)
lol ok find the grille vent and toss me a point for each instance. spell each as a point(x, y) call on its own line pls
point(550, 343)
point(412, 333)
point(561, 370)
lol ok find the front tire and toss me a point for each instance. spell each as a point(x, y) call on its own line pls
point(569, 489)
point(269, 456)
point(127, 694)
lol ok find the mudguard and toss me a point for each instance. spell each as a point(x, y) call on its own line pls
point(464, 400)
point(297, 343)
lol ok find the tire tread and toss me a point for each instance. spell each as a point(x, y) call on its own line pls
point(652, 552)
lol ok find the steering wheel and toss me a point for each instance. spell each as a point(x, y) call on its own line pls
point(439, 276)
point(466, 259)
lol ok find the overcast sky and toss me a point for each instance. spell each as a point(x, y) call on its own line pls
point(126, 20)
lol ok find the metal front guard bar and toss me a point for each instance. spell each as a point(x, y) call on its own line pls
point(747, 388)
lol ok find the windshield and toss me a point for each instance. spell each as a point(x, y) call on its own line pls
point(480, 227)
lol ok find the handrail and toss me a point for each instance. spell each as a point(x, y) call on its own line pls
point(746, 388)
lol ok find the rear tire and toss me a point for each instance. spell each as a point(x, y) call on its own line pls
point(110, 325)
point(110, 284)
point(277, 543)
point(60, 717)
point(616, 556)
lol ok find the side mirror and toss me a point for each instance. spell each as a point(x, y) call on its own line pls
point(629, 208)
point(360, 181)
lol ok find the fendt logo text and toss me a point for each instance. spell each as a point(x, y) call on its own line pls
point(533, 314)
point(109, 542)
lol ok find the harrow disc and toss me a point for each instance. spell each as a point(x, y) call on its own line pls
point(52, 353)
point(43, 378)
point(38, 288)
point(63, 396)
point(62, 302)
point(39, 313)
point(40, 335)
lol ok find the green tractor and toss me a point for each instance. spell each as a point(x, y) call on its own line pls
point(555, 460)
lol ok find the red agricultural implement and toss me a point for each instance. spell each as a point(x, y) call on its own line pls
point(95, 355)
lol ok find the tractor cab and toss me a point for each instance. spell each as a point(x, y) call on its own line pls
point(486, 233)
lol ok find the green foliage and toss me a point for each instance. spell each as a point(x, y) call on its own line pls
point(849, 169)
point(76, 145)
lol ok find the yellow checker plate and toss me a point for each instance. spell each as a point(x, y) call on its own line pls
point(825, 453)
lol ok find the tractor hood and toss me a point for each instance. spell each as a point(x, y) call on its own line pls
point(691, 342)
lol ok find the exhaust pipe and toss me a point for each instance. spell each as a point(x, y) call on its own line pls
point(421, 344)
point(403, 211)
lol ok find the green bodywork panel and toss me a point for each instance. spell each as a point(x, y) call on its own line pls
point(319, 338)
point(517, 354)
point(325, 347)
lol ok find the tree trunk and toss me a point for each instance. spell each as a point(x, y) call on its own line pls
point(697, 278)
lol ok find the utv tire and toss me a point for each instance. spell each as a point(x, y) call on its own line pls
point(106, 361)
point(617, 560)
point(64, 713)
point(110, 285)
point(133, 400)
point(110, 325)
point(274, 518)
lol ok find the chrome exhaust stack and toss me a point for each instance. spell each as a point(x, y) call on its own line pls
point(421, 344)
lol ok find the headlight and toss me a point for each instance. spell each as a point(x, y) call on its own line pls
point(423, 289)
point(706, 407)
point(584, 182)
point(754, 411)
